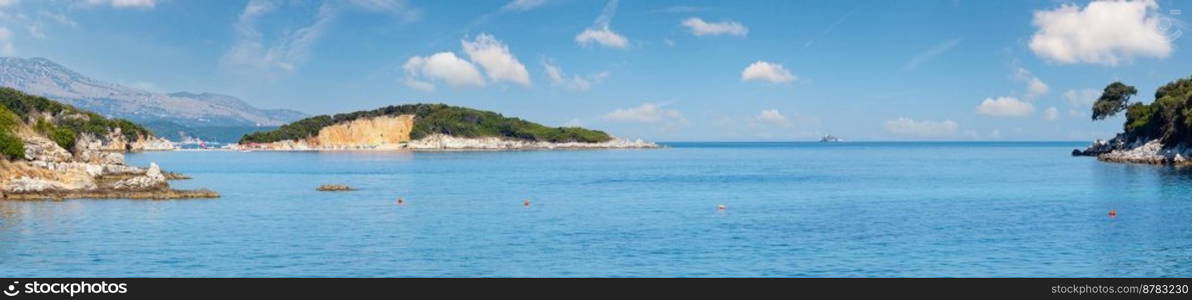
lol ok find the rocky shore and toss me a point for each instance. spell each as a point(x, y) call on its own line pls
point(92, 170)
point(441, 142)
point(1124, 149)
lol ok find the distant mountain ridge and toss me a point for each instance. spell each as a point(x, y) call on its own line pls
point(180, 115)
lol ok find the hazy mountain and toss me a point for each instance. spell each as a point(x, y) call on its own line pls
point(176, 115)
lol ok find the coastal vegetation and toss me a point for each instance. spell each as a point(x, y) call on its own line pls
point(1167, 119)
point(433, 119)
point(64, 125)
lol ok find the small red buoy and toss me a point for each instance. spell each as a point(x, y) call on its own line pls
point(526, 203)
point(1112, 213)
point(401, 201)
point(721, 207)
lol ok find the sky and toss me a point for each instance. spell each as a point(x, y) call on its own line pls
point(658, 70)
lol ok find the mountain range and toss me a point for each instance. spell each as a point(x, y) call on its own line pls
point(176, 116)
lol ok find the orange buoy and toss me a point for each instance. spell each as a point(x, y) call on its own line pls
point(1112, 213)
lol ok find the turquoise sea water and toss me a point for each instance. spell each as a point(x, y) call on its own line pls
point(793, 209)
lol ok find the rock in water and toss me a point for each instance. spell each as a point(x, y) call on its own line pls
point(334, 188)
point(152, 180)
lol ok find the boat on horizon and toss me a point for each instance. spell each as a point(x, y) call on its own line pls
point(830, 139)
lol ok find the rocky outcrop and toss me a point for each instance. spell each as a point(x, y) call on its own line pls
point(50, 172)
point(1126, 149)
point(116, 141)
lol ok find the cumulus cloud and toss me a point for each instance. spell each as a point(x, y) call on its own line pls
point(419, 85)
point(495, 58)
point(921, 129)
point(601, 31)
point(645, 113)
point(6, 46)
point(771, 117)
point(1103, 32)
point(575, 82)
point(699, 27)
point(766, 71)
point(1035, 87)
point(442, 66)
point(1051, 114)
point(1005, 107)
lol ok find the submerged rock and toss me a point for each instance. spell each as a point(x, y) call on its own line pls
point(334, 188)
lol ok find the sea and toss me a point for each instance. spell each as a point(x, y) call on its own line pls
point(790, 209)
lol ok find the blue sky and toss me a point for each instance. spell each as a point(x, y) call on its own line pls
point(660, 70)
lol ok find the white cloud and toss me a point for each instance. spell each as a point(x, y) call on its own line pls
point(1103, 32)
point(7, 3)
point(921, 129)
point(1035, 87)
point(699, 27)
point(1051, 114)
point(523, 5)
point(601, 32)
point(444, 66)
point(419, 85)
point(1082, 98)
point(495, 58)
point(250, 54)
point(645, 113)
point(603, 36)
point(1005, 107)
point(575, 82)
point(124, 3)
point(772, 117)
point(766, 71)
point(930, 53)
point(253, 54)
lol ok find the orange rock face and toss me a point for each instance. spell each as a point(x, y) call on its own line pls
point(383, 130)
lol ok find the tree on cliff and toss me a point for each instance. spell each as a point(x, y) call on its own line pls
point(1168, 118)
point(1114, 99)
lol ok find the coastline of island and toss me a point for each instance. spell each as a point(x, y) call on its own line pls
point(1159, 132)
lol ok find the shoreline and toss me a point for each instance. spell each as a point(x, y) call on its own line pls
point(445, 143)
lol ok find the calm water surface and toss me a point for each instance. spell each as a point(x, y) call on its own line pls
point(794, 209)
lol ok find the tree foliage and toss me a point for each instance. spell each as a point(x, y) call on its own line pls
point(1168, 117)
point(1113, 100)
point(10, 146)
point(438, 118)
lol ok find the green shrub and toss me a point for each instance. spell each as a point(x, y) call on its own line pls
point(11, 147)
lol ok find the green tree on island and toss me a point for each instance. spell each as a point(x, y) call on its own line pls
point(1168, 118)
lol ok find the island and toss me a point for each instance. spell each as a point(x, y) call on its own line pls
point(428, 127)
point(50, 150)
point(1156, 133)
